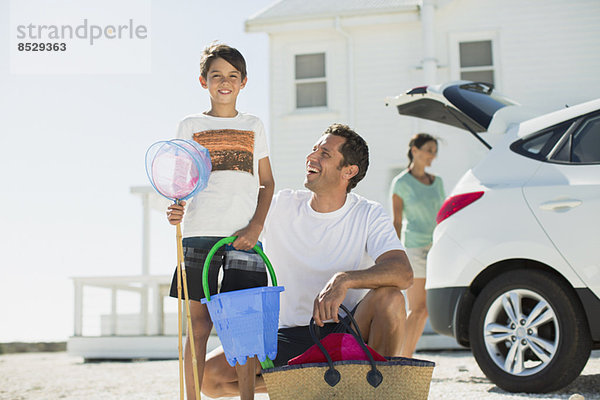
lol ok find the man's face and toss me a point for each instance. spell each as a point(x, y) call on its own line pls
point(323, 165)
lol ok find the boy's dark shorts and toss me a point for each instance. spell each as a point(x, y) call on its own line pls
point(241, 269)
point(292, 342)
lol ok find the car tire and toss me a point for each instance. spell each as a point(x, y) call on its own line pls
point(528, 332)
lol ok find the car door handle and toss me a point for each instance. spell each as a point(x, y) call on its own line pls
point(560, 205)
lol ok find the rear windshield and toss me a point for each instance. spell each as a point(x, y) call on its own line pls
point(477, 100)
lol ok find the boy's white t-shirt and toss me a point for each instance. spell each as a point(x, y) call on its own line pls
point(307, 248)
point(229, 201)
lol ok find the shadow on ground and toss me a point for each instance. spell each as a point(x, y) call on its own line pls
point(586, 385)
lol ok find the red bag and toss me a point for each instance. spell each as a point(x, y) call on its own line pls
point(340, 346)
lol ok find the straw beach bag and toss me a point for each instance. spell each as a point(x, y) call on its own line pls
point(396, 378)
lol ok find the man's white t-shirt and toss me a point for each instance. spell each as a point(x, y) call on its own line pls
point(307, 248)
point(229, 200)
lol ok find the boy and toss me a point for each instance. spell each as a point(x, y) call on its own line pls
point(235, 202)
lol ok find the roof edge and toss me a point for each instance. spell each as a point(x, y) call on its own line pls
point(254, 24)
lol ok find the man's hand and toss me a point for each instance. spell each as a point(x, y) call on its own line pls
point(247, 237)
point(175, 213)
point(327, 303)
point(392, 268)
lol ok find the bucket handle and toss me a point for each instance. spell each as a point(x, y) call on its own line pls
point(216, 247)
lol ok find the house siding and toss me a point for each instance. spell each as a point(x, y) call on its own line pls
point(547, 54)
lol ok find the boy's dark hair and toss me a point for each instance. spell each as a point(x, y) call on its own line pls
point(354, 150)
point(227, 53)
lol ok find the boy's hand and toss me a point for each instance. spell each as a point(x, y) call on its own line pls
point(175, 213)
point(246, 237)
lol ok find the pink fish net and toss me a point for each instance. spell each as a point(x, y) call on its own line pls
point(178, 169)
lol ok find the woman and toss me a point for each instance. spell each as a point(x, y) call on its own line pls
point(416, 198)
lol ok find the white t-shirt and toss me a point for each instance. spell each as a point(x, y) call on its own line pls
point(229, 200)
point(307, 248)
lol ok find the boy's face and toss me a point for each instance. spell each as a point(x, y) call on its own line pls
point(223, 82)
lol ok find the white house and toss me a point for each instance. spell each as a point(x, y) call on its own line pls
point(337, 61)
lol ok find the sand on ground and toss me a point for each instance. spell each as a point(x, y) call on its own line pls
point(49, 376)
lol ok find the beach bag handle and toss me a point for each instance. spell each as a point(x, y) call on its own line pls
point(332, 376)
point(216, 247)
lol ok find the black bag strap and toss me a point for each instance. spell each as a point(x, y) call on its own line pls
point(332, 376)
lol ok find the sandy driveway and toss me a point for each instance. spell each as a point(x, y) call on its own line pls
point(49, 376)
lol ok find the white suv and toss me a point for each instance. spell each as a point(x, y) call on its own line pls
point(514, 271)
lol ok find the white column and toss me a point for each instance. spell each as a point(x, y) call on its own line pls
point(157, 322)
point(78, 323)
point(144, 326)
point(145, 193)
point(113, 311)
point(146, 234)
point(430, 62)
point(350, 63)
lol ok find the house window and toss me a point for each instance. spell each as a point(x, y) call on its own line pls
point(476, 61)
point(311, 85)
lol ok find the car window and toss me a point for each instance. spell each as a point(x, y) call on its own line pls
point(564, 152)
point(539, 145)
point(582, 145)
point(586, 142)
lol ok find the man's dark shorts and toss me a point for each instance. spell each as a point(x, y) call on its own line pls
point(292, 342)
point(241, 269)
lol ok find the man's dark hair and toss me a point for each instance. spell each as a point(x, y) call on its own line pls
point(227, 53)
point(354, 150)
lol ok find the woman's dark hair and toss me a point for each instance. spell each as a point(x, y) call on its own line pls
point(418, 141)
point(227, 53)
point(354, 150)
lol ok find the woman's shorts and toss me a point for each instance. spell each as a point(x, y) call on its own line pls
point(418, 260)
point(241, 269)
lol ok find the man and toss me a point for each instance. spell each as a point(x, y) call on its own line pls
point(322, 243)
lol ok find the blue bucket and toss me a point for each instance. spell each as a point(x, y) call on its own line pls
point(245, 320)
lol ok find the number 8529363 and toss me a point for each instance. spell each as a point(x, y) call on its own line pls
point(42, 46)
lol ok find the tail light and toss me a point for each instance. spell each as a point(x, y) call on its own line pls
point(456, 203)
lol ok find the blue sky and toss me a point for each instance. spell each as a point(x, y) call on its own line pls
point(73, 145)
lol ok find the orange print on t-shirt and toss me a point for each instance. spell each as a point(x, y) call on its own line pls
point(230, 149)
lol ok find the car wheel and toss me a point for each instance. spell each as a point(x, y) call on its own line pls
point(528, 332)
